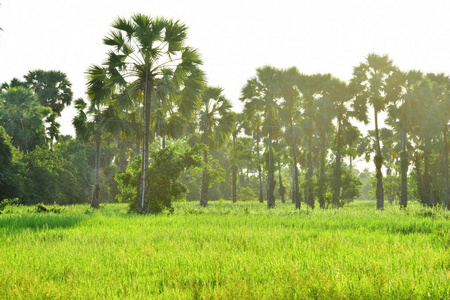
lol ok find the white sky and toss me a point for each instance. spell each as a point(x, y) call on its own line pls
point(233, 37)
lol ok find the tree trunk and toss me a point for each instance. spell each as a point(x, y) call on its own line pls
point(404, 172)
point(96, 192)
point(309, 198)
point(295, 182)
point(142, 206)
point(205, 181)
point(378, 163)
point(282, 188)
point(261, 193)
point(447, 179)
point(337, 170)
point(429, 198)
point(234, 172)
point(321, 186)
point(270, 176)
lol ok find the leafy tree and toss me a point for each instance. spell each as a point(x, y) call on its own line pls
point(167, 165)
point(368, 86)
point(149, 61)
point(9, 167)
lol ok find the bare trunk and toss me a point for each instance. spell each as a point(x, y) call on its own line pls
point(261, 193)
point(337, 170)
point(321, 187)
point(270, 176)
point(96, 192)
point(142, 206)
point(309, 198)
point(404, 172)
point(205, 181)
point(295, 189)
point(282, 188)
point(447, 183)
point(378, 164)
point(234, 173)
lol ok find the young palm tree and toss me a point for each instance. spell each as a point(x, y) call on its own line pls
point(368, 86)
point(215, 124)
point(150, 61)
point(262, 94)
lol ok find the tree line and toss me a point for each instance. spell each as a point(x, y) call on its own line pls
point(152, 131)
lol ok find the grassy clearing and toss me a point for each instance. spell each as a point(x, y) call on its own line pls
point(241, 251)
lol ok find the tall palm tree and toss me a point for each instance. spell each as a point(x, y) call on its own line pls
point(401, 91)
point(262, 94)
point(312, 89)
point(368, 86)
point(149, 59)
point(345, 133)
point(291, 114)
point(215, 124)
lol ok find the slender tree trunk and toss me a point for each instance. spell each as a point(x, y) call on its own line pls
point(429, 199)
point(234, 173)
point(96, 192)
point(144, 191)
point(261, 193)
point(205, 181)
point(295, 182)
point(419, 179)
point(282, 189)
point(447, 179)
point(309, 198)
point(163, 142)
point(337, 170)
point(378, 164)
point(321, 187)
point(270, 176)
point(404, 172)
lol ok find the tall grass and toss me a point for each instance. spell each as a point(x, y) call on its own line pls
point(226, 251)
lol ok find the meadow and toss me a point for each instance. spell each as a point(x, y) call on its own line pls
point(226, 251)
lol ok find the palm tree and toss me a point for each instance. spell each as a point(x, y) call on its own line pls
point(346, 134)
point(312, 88)
point(23, 118)
point(262, 94)
point(53, 88)
point(291, 114)
point(149, 59)
point(368, 85)
point(215, 124)
point(401, 91)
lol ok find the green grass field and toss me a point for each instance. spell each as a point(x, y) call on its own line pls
point(226, 251)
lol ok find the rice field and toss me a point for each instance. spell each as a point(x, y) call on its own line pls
point(226, 251)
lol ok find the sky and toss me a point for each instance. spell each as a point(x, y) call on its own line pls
point(233, 37)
